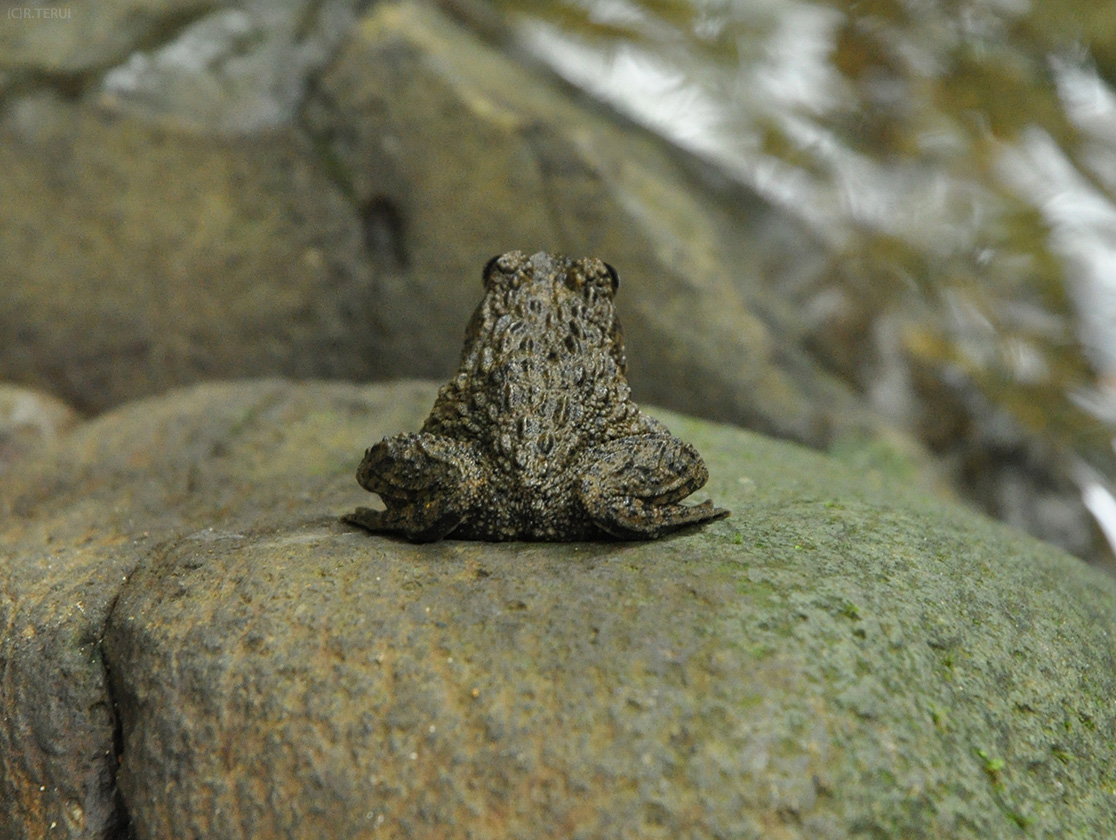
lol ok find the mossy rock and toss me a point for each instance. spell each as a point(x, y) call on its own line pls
point(840, 658)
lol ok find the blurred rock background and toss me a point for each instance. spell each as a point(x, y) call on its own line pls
point(882, 228)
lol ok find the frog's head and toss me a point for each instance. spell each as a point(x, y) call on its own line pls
point(590, 277)
point(548, 304)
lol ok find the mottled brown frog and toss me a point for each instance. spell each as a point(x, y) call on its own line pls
point(536, 437)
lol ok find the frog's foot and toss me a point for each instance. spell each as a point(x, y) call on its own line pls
point(428, 484)
point(631, 487)
point(403, 520)
point(366, 518)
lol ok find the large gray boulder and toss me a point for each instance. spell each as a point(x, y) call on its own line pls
point(195, 647)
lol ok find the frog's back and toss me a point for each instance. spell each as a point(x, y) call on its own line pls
point(542, 380)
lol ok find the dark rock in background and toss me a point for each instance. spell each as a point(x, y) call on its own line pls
point(453, 154)
point(138, 258)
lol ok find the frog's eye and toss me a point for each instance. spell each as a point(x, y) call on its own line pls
point(595, 278)
point(488, 268)
point(613, 276)
point(508, 264)
point(601, 278)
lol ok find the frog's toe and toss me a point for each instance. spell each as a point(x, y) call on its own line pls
point(632, 518)
point(418, 523)
point(367, 518)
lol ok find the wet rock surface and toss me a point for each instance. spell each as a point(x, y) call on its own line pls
point(195, 646)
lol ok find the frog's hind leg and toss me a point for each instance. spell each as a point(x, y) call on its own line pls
point(428, 484)
point(632, 487)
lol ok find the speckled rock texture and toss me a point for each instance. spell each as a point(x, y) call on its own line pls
point(194, 646)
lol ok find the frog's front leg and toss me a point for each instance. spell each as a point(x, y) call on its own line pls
point(428, 484)
point(631, 487)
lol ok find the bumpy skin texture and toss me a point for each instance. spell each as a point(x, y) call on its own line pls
point(537, 437)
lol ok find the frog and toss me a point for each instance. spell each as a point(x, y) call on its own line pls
point(537, 437)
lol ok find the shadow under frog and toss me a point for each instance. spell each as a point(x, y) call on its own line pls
point(536, 437)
